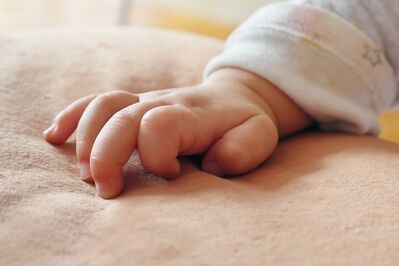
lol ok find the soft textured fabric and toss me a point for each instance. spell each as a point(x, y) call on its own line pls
point(321, 199)
point(378, 19)
point(328, 56)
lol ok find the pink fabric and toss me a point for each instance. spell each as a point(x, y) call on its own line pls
point(321, 199)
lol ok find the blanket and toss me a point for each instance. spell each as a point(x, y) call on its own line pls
point(321, 199)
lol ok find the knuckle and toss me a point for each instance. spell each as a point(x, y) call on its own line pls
point(64, 116)
point(59, 118)
point(237, 159)
point(84, 133)
point(121, 118)
point(193, 101)
point(160, 119)
point(190, 99)
point(82, 147)
point(97, 159)
point(107, 99)
point(99, 155)
point(103, 100)
point(82, 137)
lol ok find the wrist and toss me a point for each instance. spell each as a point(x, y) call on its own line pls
point(233, 78)
point(287, 116)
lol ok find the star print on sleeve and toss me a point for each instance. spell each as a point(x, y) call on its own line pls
point(373, 56)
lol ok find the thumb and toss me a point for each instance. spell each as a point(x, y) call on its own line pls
point(242, 148)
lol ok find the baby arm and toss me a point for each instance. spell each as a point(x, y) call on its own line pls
point(234, 117)
point(331, 68)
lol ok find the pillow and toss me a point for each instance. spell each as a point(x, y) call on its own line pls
point(320, 199)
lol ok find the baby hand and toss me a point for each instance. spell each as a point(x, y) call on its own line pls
point(227, 121)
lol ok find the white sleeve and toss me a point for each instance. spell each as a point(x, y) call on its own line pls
point(333, 70)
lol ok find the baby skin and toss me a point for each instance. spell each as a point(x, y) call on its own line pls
point(234, 118)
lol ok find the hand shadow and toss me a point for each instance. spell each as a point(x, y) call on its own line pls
point(295, 158)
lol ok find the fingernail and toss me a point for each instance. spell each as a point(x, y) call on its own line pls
point(85, 171)
point(212, 168)
point(49, 130)
point(103, 189)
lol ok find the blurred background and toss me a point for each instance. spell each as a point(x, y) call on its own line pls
point(211, 17)
point(215, 18)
